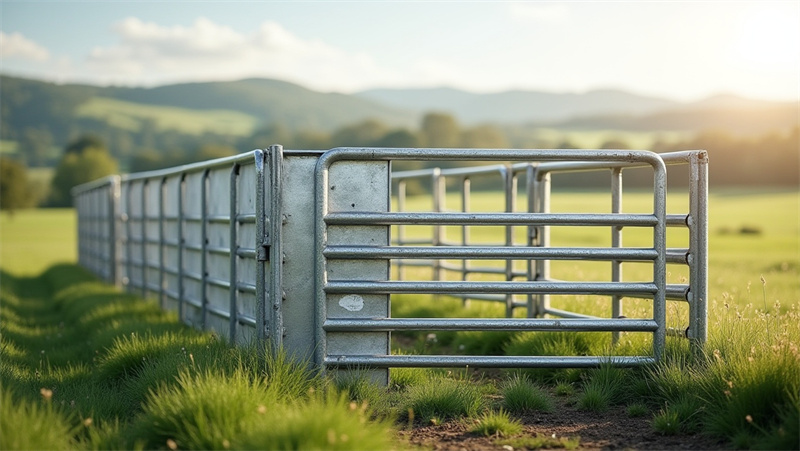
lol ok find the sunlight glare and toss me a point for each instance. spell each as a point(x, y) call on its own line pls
point(769, 36)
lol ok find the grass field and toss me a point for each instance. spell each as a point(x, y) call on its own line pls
point(33, 240)
point(745, 390)
point(131, 116)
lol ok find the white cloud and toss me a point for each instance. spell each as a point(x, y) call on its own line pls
point(151, 53)
point(15, 45)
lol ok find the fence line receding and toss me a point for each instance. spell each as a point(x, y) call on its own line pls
point(306, 249)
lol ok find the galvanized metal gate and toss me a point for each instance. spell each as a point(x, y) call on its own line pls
point(245, 246)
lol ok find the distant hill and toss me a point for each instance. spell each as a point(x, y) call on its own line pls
point(596, 110)
point(65, 109)
point(519, 106)
point(181, 115)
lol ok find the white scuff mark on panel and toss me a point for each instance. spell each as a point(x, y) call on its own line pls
point(352, 302)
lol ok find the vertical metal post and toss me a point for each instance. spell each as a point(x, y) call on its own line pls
point(162, 244)
point(401, 206)
point(510, 187)
point(276, 250)
point(438, 188)
point(616, 242)
point(181, 246)
point(532, 236)
point(660, 265)
point(144, 237)
point(698, 257)
point(129, 235)
point(204, 248)
point(543, 266)
point(465, 201)
point(113, 220)
point(234, 253)
point(261, 237)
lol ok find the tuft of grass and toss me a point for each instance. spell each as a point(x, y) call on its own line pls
point(496, 424)
point(360, 388)
point(540, 441)
point(604, 386)
point(406, 377)
point(131, 353)
point(321, 422)
point(521, 395)
point(564, 389)
point(33, 425)
point(442, 398)
point(636, 410)
point(202, 411)
point(594, 399)
point(667, 422)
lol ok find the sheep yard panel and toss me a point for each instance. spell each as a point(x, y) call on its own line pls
point(306, 249)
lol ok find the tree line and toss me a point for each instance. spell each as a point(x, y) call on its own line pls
point(769, 159)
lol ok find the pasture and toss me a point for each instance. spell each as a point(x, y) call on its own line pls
point(743, 392)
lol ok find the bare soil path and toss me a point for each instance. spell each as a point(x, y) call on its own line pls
point(612, 429)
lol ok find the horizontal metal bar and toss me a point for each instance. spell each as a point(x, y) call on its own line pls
point(171, 271)
point(246, 252)
point(678, 292)
point(494, 324)
point(192, 275)
point(217, 311)
point(564, 219)
point(677, 220)
point(246, 218)
point(476, 361)
point(245, 287)
point(674, 292)
point(481, 297)
point(193, 302)
point(531, 287)
point(566, 313)
point(670, 158)
point(450, 172)
point(246, 320)
point(219, 250)
point(490, 253)
point(218, 218)
point(218, 282)
point(193, 247)
point(678, 255)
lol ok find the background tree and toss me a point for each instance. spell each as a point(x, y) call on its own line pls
point(84, 160)
point(35, 144)
point(14, 187)
point(366, 134)
point(484, 137)
point(440, 130)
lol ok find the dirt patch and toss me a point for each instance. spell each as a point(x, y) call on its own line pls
point(611, 429)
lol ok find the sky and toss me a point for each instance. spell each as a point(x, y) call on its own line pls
point(680, 50)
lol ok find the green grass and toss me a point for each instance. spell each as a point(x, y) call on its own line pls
point(540, 441)
point(440, 399)
point(132, 116)
point(85, 367)
point(521, 395)
point(497, 424)
point(751, 367)
point(33, 240)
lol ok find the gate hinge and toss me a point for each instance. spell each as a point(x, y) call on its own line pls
point(262, 251)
